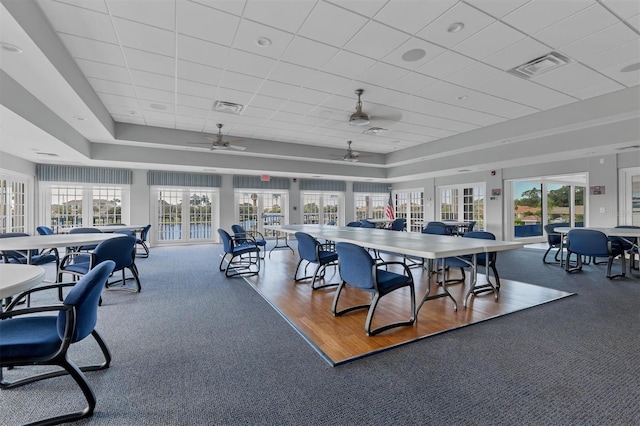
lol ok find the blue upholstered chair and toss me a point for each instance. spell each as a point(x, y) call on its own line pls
point(629, 244)
point(354, 224)
point(437, 228)
point(142, 241)
point(88, 247)
point(120, 250)
point(554, 240)
point(243, 259)
point(331, 223)
point(593, 243)
point(39, 339)
point(399, 224)
point(358, 269)
point(464, 262)
point(364, 223)
point(33, 257)
point(242, 236)
point(313, 252)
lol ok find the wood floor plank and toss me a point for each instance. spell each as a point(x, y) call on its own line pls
point(341, 339)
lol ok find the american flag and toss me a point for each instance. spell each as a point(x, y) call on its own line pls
point(390, 212)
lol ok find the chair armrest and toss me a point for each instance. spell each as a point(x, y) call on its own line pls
point(26, 293)
point(256, 234)
point(393, 262)
point(34, 310)
point(66, 260)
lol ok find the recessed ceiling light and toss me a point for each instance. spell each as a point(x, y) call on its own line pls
point(631, 68)
point(263, 42)
point(158, 106)
point(10, 47)
point(79, 118)
point(455, 27)
point(413, 55)
point(462, 98)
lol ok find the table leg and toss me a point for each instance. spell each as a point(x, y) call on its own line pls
point(279, 246)
point(476, 289)
point(444, 286)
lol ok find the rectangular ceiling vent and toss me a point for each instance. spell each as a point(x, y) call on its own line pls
point(228, 107)
point(540, 65)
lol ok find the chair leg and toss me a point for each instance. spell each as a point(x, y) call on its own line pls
point(623, 265)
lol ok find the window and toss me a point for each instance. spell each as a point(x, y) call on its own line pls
point(257, 208)
point(371, 206)
point(14, 192)
point(76, 204)
point(174, 225)
point(322, 207)
point(463, 203)
point(410, 205)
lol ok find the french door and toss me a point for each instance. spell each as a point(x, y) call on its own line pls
point(257, 208)
point(185, 215)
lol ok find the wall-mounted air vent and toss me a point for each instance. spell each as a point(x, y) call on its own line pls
point(540, 65)
point(228, 107)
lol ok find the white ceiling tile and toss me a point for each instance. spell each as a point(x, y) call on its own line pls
point(233, 96)
point(248, 63)
point(489, 40)
point(92, 50)
point(396, 57)
point(194, 102)
point(79, 21)
point(576, 26)
point(600, 41)
point(268, 102)
point(104, 71)
point(347, 64)
point(412, 82)
point(297, 107)
point(237, 81)
point(121, 101)
point(422, 13)
point(285, 14)
point(497, 8)
point(249, 32)
point(230, 6)
point(382, 96)
point(112, 87)
point(329, 83)
point(474, 20)
point(446, 64)
point(183, 113)
point(161, 14)
point(472, 75)
point(382, 74)
point(285, 72)
point(189, 123)
point(277, 89)
point(147, 61)
point(534, 16)
point(162, 109)
point(145, 37)
point(202, 52)
point(621, 56)
point(367, 8)
point(308, 53)
point(202, 22)
point(309, 96)
point(165, 120)
point(628, 79)
point(257, 112)
point(578, 80)
point(376, 40)
point(344, 24)
point(132, 119)
point(198, 72)
point(634, 21)
point(155, 95)
point(157, 81)
point(519, 53)
point(97, 6)
point(341, 103)
point(623, 8)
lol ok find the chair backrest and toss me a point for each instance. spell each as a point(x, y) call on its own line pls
point(44, 230)
point(17, 253)
point(356, 265)
point(398, 224)
point(480, 234)
point(364, 223)
point(354, 224)
point(239, 233)
point(436, 228)
point(84, 296)
point(145, 232)
point(121, 250)
point(627, 242)
point(331, 222)
point(85, 231)
point(588, 242)
point(227, 241)
point(471, 225)
point(553, 237)
point(307, 247)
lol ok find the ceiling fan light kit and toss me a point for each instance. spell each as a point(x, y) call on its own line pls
point(359, 118)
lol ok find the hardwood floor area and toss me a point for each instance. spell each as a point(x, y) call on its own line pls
point(342, 339)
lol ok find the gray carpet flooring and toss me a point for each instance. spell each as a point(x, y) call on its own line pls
point(195, 348)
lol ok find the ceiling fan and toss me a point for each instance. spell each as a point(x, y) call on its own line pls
point(218, 143)
point(351, 156)
point(361, 118)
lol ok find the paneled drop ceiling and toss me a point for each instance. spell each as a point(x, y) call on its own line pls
point(135, 83)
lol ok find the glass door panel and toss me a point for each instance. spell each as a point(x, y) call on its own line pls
point(200, 220)
point(559, 204)
point(527, 221)
point(169, 214)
